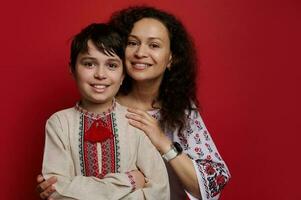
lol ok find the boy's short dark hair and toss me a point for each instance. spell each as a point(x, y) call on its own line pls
point(105, 38)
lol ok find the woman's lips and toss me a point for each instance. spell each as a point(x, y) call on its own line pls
point(140, 66)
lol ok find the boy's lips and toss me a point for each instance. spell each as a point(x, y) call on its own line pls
point(99, 87)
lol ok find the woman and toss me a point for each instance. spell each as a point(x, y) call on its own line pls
point(160, 92)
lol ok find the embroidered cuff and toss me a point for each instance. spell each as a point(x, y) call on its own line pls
point(132, 181)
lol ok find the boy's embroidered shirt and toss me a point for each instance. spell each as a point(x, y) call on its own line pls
point(98, 136)
point(91, 155)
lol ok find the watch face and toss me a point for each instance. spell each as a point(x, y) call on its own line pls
point(178, 147)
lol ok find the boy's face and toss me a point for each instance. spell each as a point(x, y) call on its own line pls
point(98, 77)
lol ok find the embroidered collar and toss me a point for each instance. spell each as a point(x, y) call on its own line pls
point(93, 115)
point(155, 113)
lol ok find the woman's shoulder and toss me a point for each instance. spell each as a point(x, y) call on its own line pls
point(193, 111)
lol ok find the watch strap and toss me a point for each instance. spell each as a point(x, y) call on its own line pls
point(170, 154)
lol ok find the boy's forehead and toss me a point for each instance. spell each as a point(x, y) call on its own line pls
point(92, 50)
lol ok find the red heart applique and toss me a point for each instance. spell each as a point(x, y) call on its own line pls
point(98, 132)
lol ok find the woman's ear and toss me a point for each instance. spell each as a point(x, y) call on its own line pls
point(169, 62)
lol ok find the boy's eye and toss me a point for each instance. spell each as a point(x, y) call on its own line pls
point(112, 66)
point(88, 64)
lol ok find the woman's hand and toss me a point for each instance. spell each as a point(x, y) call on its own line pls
point(45, 187)
point(138, 178)
point(182, 164)
point(150, 126)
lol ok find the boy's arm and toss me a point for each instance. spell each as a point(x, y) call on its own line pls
point(151, 164)
point(58, 162)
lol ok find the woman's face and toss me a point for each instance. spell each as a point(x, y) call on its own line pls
point(148, 53)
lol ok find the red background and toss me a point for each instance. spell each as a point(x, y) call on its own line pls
point(249, 85)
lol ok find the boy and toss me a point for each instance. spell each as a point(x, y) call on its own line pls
point(91, 148)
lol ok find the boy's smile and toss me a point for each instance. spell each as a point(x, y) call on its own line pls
point(98, 77)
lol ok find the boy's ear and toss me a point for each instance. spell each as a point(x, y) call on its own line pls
point(122, 78)
point(71, 71)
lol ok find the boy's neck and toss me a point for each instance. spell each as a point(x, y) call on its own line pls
point(97, 108)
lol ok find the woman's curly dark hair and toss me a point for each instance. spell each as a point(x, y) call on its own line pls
point(178, 87)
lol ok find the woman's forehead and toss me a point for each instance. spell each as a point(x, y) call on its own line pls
point(150, 28)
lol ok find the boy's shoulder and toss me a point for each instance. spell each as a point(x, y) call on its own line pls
point(123, 123)
point(64, 114)
point(120, 108)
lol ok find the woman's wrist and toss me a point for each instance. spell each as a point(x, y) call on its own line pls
point(164, 145)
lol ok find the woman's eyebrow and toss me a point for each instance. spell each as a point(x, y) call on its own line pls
point(149, 38)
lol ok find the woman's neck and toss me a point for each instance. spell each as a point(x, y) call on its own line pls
point(142, 96)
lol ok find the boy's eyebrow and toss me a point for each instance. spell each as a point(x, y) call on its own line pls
point(115, 59)
point(87, 57)
point(93, 58)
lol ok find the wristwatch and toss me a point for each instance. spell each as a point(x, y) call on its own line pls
point(174, 151)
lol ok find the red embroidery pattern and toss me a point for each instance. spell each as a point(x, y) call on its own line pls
point(214, 175)
point(108, 151)
point(132, 181)
point(90, 153)
point(91, 159)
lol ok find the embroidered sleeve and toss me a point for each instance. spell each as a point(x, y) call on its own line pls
point(211, 170)
point(132, 181)
point(58, 162)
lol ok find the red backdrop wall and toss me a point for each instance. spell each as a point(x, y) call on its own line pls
point(249, 85)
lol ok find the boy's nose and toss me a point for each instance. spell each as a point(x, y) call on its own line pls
point(100, 73)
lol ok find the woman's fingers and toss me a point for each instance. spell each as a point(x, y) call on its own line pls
point(47, 192)
point(149, 125)
point(139, 112)
point(45, 188)
point(139, 178)
point(47, 183)
point(137, 118)
point(138, 125)
point(40, 178)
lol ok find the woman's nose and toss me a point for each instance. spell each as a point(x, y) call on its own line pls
point(141, 51)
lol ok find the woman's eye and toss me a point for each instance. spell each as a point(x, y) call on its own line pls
point(154, 45)
point(132, 43)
